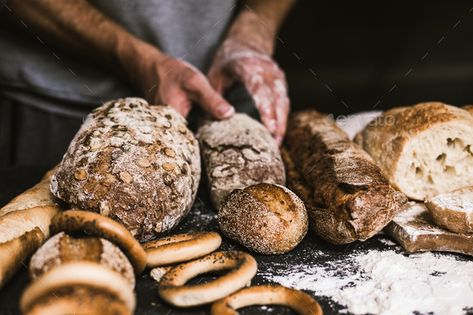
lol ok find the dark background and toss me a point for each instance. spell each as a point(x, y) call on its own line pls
point(361, 49)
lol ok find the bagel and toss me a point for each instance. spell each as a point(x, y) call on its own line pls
point(180, 248)
point(78, 300)
point(300, 302)
point(173, 290)
point(79, 274)
point(94, 224)
point(63, 248)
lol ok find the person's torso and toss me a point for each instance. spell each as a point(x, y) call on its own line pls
point(186, 29)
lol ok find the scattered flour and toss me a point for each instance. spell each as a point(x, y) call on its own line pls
point(387, 282)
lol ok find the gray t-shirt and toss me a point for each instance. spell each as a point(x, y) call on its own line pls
point(35, 72)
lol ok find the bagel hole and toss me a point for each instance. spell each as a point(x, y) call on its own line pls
point(266, 309)
point(206, 277)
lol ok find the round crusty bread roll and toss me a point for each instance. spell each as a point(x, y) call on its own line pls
point(138, 164)
point(63, 248)
point(454, 210)
point(424, 150)
point(266, 218)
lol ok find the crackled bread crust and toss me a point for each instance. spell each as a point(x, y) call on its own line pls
point(424, 150)
point(138, 164)
point(238, 152)
point(266, 218)
point(345, 193)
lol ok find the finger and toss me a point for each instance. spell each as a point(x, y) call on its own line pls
point(219, 80)
point(282, 111)
point(178, 100)
point(263, 99)
point(282, 106)
point(212, 102)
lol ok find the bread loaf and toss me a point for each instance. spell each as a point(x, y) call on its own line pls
point(138, 164)
point(424, 149)
point(238, 152)
point(24, 226)
point(266, 218)
point(453, 211)
point(346, 195)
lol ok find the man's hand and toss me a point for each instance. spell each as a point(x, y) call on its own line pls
point(264, 80)
point(166, 80)
point(79, 27)
point(245, 56)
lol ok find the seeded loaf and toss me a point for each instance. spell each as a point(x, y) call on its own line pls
point(424, 150)
point(138, 164)
point(346, 195)
point(238, 152)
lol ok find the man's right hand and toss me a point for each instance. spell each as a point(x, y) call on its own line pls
point(166, 80)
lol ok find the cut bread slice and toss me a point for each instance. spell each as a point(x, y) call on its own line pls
point(454, 210)
point(415, 231)
point(424, 150)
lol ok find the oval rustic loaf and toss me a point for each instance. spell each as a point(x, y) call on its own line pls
point(345, 193)
point(138, 164)
point(424, 150)
point(238, 152)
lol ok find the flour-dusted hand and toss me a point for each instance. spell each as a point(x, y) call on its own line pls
point(245, 62)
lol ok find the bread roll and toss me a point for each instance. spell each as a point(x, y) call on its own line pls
point(266, 218)
point(238, 152)
point(138, 164)
point(346, 195)
point(453, 211)
point(63, 248)
point(424, 149)
point(24, 226)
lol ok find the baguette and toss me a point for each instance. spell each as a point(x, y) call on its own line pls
point(24, 226)
point(346, 195)
point(424, 150)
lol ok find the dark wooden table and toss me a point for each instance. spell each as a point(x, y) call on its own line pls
point(201, 218)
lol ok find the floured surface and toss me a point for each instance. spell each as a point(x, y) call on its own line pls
point(386, 282)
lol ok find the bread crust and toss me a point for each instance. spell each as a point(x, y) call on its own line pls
point(37, 196)
point(266, 218)
point(346, 195)
point(14, 251)
point(24, 226)
point(238, 152)
point(386, 139)
point(453, 211)
point(138, 164)
point(63, 248)
point(415, 231)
